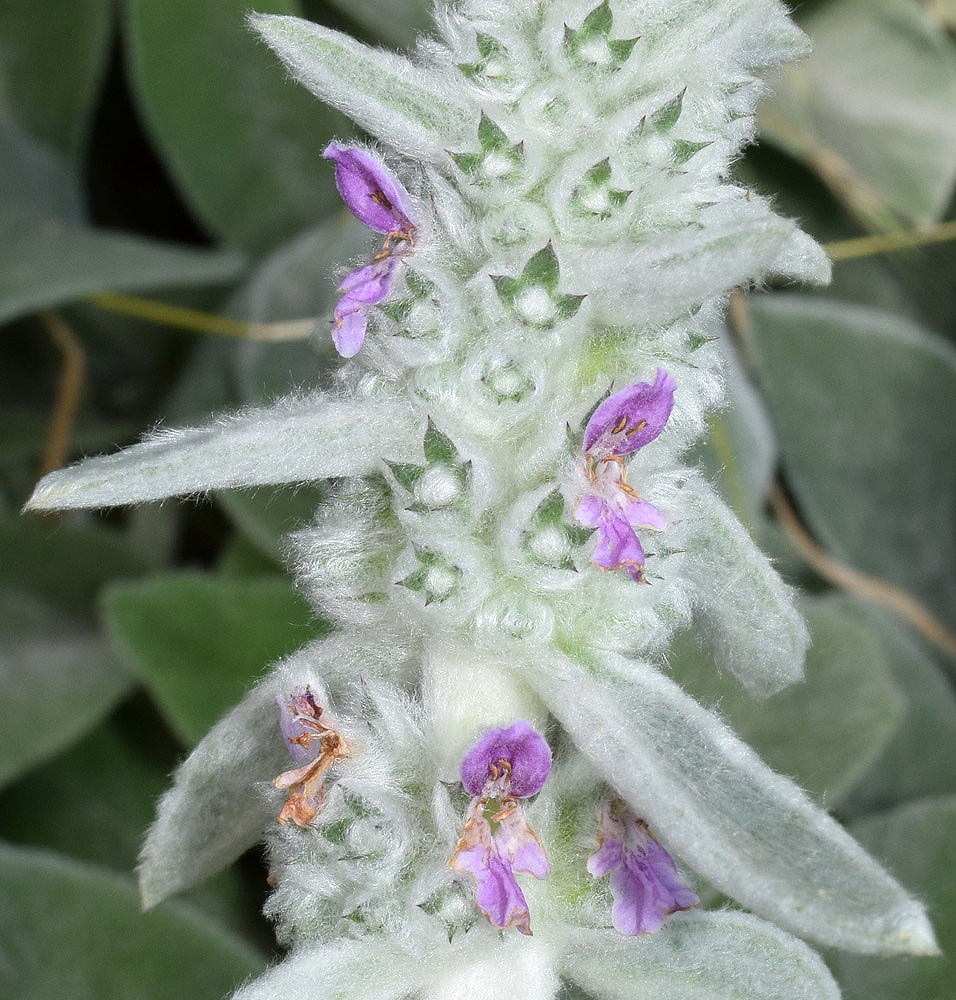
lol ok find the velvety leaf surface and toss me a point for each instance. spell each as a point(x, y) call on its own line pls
point(701, 955)
point(299, 439)
point(244, 146)
point(199, 641)
point(411, 109)
point(57, 680)
point(918, 842)
point(824, 731)
point(864, 406)
point(52, 57)
point(873, 110)
point(69, 929)
point(750, 832)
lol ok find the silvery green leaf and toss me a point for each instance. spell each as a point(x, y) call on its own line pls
point(407, 106)
point(745, 610)
point(679, 271)
point(345, 969)
point(214, 811)
point(826, 731)
point(297, 440)
point(720, 956)
point(752, 833)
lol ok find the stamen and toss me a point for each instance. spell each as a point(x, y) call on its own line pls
point(510, 805)
point(639, 426)
point(620, 424)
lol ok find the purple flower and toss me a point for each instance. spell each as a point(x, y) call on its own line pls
point(645, 885)
point(301, 724)
point(624, 422)
point(503, 766)
point(379, 201)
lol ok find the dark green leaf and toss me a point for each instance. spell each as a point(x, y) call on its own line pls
point(265, 517)
point(73, 930)
point(57, 680)
point(199, 641)
point(244, 146)
point(883, 140)
point(864, 406)
point(52, 58)
point(918, 843)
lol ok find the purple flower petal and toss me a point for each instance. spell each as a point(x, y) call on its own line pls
point(369, 284)
point(348, 330)
point(618, 547)
point(528, 760)
point(362, 287)
point(493, 859)
point(631, 418)
point(298, 716)
point(645, 885)
point(372, 194)
point(641, 514)
point(520, 846)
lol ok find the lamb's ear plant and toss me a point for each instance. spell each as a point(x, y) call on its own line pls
point(485, 781)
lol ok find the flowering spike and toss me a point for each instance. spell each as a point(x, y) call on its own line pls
point(644, 880)
point(301, 724)
point(622, 424)
point(496, 840)
point(378, 200)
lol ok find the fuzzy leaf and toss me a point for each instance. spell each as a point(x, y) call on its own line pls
point(864, 405)
point(409, 107)
point(200, 640)
point(242, 145)
point(679, 271)
point(751, 832)
point(297, 440)
point(826, 731)
point(214, 811)
point(745, 610)
point(917, 842)
point(721, 956)
point(74, 930)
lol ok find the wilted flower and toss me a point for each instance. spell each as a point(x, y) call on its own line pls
point(624, 422)
point(301, 725)
point(379, 201)
point(644, 880)
point(503, 766)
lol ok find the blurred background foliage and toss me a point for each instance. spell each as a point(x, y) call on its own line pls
point(169, 237)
